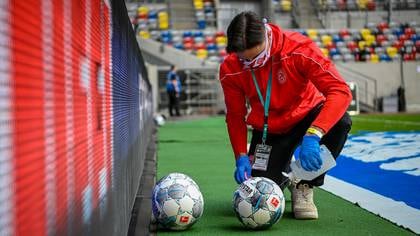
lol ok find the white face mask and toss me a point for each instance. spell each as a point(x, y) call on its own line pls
point(263, 57)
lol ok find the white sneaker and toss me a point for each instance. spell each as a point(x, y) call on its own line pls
point(303, 203)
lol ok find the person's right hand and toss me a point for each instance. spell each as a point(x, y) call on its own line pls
point(310, 158)
point(243, 169)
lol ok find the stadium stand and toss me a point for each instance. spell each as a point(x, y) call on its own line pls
point(373, 42)
point(377, 42)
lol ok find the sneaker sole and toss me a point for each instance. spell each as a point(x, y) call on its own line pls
point(306, 215)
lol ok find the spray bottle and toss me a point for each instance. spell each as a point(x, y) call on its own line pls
point(298, 173)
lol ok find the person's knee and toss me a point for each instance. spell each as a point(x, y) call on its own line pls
point(344, 123)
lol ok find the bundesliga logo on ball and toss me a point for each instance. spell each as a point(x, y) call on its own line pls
point(258, 203)
point(177, 202)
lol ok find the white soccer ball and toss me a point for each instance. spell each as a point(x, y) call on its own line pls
point(159, 119)
point(258, 203)
point(177, 202)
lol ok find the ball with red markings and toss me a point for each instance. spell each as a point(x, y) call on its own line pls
point(258, 203)
point(177, 202)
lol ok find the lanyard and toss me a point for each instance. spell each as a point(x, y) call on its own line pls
point(265, 103)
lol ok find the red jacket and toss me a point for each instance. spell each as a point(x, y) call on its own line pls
point(302, 78)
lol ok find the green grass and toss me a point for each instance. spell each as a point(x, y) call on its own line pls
point(201, 149)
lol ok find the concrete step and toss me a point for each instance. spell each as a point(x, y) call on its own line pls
point(182, 14)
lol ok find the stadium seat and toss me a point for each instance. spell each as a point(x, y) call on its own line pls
point(362, 45)
point(144, 34)
point(370, 39)
point(351, 45)
point(380, 38)
point(392, 51)
point(198, 4)
point(198, 39)
point(188, 46)
point(362, 4)
point(221, 40)
point(222, 53)
point(163, 19)
point(286, 5)
point(374, 58)
point(202, 53)
point(384, 57)
point(200, 46)
point(337, 38)
point(371, 5)
point(179, 46)
point(334, 51)
point(325, 52)
point(201, 24)
point(142, 12)
point(326, 39)
point(312, 34)
point(210, 40)
point(188, 40)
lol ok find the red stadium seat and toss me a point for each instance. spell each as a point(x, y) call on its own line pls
point(371, 5)
point(380, 38)
point(382, 26)
point(188, 40)
point(210, 40)
point(220, 33)
point(188, 46)
point(199, 46)
point(344, 32)
point(352, 45)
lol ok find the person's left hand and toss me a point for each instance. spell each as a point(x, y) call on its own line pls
point(310, 158)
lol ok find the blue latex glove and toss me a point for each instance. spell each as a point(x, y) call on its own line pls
point(243, 169)
point(310, 158)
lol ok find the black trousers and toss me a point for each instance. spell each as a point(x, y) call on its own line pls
point(284, 145)
point(173, 103)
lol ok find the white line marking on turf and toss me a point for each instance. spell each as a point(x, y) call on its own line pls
point(394, 211)
point(402, 122)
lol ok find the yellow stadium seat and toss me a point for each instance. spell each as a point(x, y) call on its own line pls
point(144, 34)
point(202, 53)
point(362, 4)
point(364, 32)
point(142, 10)
point(312, 32)
point(362, 45)
point(286, 5)
point(325, 52)
point(163, 20)
point(370, 39)
point(374, 58)
point(326, 39)
point(392, 51)
point(221, 40)
point(198, 4)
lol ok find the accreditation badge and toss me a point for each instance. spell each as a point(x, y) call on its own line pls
point(261, 157)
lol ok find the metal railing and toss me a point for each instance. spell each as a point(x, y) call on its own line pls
point(201, 92)
point(367, 86)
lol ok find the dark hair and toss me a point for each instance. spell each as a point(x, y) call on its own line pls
point(245, 31)
point(172, 67)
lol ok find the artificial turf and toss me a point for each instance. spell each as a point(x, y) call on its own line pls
point(201, 149)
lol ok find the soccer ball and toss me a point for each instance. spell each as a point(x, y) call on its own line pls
point(258, 203)
point(177, 202)
point(159, 119)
